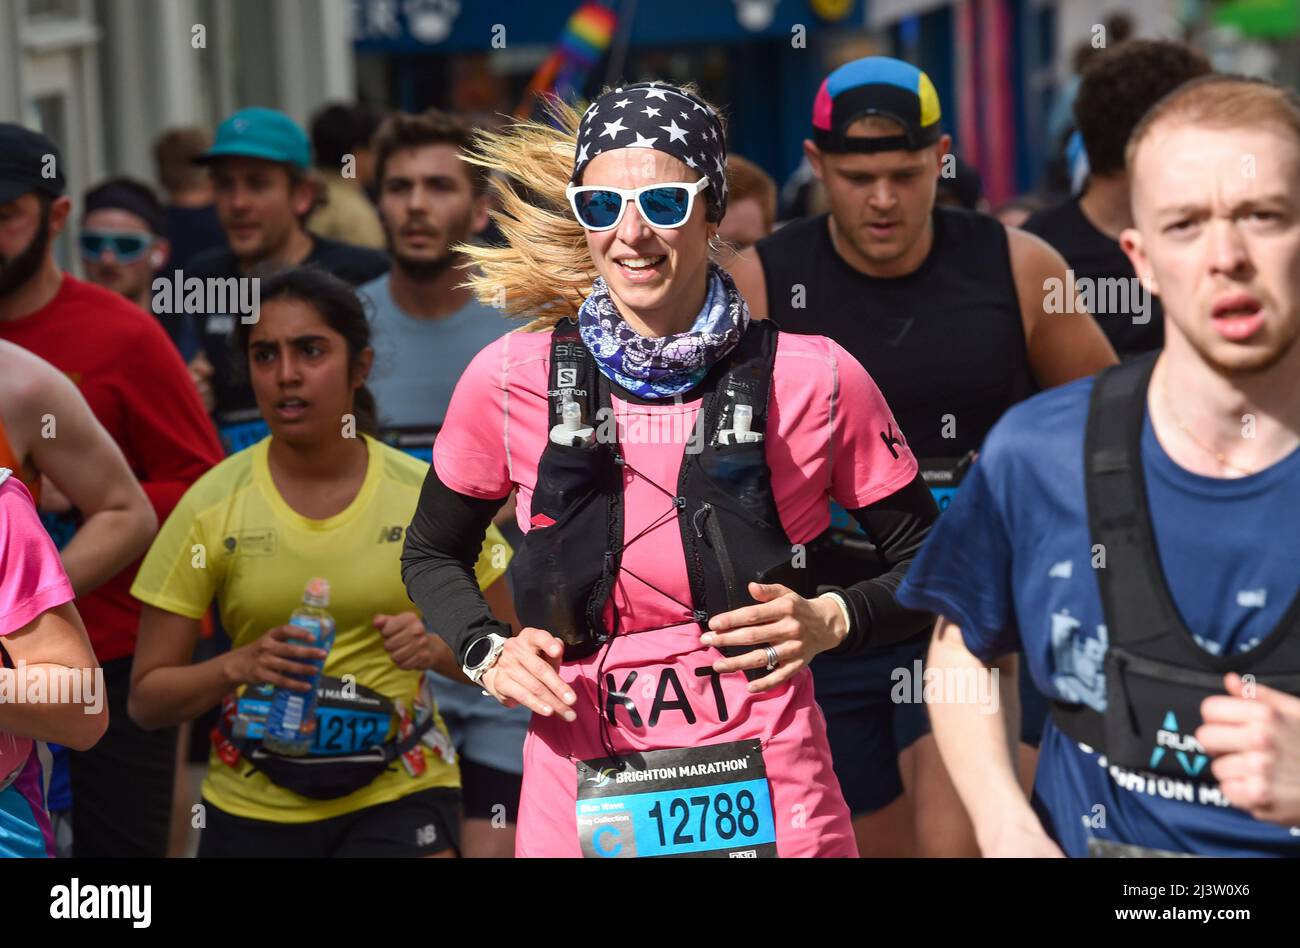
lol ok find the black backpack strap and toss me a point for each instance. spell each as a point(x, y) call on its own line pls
point(1079, 723)
point(1119, 521)
point(1135, 607)
point(573, 376)
point(746, 380)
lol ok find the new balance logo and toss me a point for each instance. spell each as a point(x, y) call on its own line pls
point(390, 534)
point(426, 835)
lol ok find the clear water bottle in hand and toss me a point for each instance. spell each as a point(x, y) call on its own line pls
point(291, 723)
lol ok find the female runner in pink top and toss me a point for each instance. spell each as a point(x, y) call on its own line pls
point(42, 642)
point(680, 728)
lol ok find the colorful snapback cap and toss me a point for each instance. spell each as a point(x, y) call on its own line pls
point(876, 86)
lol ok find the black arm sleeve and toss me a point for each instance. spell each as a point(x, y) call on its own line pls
point(897, 525)
point(442, 546)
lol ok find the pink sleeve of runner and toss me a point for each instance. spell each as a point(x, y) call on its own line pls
point(870, 460)
point(470, 453)
point(32, 579)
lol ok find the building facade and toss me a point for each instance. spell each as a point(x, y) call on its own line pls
point(104, 77)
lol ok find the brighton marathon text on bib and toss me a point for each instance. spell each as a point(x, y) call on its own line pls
point(695, 801)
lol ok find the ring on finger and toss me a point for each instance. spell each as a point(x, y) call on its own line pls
point(772, 658)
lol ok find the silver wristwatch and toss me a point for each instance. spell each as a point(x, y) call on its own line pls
point(481, 655)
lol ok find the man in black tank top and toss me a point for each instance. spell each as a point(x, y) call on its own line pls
point(945, 309)
point(1117, 89)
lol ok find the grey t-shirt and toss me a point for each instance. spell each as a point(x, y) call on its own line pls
point(419, 361)
point(417, 365)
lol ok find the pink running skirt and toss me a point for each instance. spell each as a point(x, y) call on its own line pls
point(739, 774)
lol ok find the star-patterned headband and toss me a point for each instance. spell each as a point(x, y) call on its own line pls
point(663, 117)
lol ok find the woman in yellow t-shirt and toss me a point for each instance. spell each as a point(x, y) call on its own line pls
point(317, 498)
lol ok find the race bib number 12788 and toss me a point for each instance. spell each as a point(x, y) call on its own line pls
point(697, 801)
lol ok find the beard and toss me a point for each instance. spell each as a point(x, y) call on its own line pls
point(17, 271)
point(423, 269)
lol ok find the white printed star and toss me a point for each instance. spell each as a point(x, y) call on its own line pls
point(622, 102)
point(656, 94)
point(582, 154)
point(675, 134)
point(649, 112)
point(642, 142)
point(718, 164)
point(613, 128)
point(690, 161)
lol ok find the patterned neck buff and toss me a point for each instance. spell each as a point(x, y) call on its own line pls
point(659, 116)
point(670, 365)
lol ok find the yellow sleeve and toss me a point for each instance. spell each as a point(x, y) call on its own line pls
point(182, 570)
point(493, 558)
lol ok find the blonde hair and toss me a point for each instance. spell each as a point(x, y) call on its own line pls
point(544, 271)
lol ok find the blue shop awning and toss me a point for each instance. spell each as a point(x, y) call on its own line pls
point(453, 26)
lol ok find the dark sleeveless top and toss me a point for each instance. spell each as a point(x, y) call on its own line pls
point(944, 343)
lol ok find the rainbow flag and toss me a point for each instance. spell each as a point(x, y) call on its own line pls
point(586, 37)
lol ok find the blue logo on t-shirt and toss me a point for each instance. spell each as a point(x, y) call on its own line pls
point(1078, 659)
point(1170, 738)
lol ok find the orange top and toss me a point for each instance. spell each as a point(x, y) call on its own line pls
point(10, 460)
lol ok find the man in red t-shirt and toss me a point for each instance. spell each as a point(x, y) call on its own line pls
point(140, 391)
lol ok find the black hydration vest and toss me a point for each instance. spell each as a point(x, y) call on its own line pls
point(1156, 674)
point(731, 531)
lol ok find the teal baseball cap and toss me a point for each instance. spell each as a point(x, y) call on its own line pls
point(260, 133)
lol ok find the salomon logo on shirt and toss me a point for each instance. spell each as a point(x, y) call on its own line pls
point(1169, 738)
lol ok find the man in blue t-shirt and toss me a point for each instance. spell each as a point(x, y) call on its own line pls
point(1013, 564)
point(426, 330)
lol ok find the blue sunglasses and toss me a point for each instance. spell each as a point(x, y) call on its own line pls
point(600, 207)
point(126, 247)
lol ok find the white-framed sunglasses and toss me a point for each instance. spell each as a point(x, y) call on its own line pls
point(600, 207)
